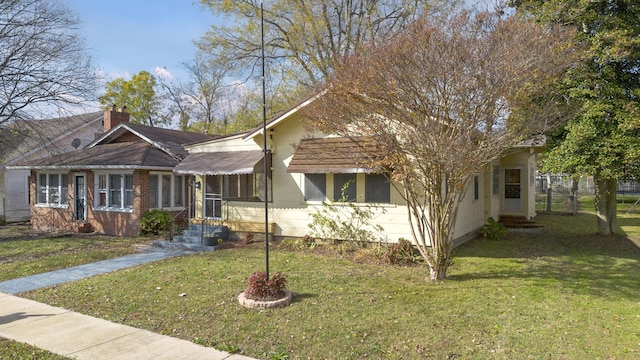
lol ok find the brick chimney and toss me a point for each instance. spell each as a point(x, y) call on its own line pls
point(113, 117)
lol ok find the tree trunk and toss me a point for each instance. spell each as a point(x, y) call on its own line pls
point(438, 273)
point(606, 205)
point(549, 194)
point(574, 196)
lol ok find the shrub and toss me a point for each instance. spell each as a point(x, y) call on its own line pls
point(347, 220)
point(259, 288)
point(248, 238)
point(299, 244)
point(494, 230)
point(156, 222)
point(400, 252)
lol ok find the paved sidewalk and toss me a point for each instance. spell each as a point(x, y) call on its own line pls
point(81, 336)
point(87, 270)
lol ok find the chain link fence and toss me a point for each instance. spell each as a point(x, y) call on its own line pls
point(560, 197)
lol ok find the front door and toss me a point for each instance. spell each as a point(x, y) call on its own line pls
point(80, 190)
point(512, 189)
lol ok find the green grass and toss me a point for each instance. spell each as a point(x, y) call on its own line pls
point(22, 255)
point(564, 293)
point(11, 350)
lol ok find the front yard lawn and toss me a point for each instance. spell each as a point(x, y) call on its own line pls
point(24, 253)
point(564, 293)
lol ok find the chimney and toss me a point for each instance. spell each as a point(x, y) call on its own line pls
point(113, 117)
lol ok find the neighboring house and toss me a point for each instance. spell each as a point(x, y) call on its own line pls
point(109, 184)
point(305, 169)
point(29, 140)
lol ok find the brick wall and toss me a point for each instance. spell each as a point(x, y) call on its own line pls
point(105, 222)
point(48, 218)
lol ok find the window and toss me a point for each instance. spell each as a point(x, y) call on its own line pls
point(377, 188)
point(166, 190)
point(344, 187)
point(53, 189)
point(495, 180)
point(115, 191)
point(102, 191)
point(245, 187)
point(315, 187)
point(153, 191)
point(178, 191)
point(476, 187)
point(512, 184)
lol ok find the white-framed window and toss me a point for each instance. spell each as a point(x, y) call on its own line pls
point(495, 180)
point(166, 190)
point(114, 191)
point(476, 187)
point(53, 189)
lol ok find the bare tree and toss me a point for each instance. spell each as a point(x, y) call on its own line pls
point(43, 66)
point(443, 99)
point(198, 98)
point(302, 38)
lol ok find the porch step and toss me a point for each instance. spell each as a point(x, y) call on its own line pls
point(187, 239)
point(518, 222)
point(194, 233)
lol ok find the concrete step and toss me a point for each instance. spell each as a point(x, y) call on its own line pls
point(518, 222)
point(187, 239)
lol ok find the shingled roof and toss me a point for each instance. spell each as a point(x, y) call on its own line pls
point(24, 137)
point(333, 155)
point(147, 148)
point(124, 155)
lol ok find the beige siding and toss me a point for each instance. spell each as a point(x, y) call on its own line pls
point(292, 214)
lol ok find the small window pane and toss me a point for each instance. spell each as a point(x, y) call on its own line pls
point(377, 189)
point(231, 186)
point(178, 191)
point(128, 191)
point(42, 190)
point(344, 187)
point(315, 187)
point(115, 192)
point(54, 189)
point(153, 191)
point(166, 190)
point(476, 187)
point(64, 189)
point(102, 190)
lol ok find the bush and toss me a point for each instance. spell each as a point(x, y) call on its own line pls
point(259, 288)
point(400, 252)
point(156, 222)
point(248, 238)
point(494, 230)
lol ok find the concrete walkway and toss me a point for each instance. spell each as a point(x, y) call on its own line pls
point(80, 336)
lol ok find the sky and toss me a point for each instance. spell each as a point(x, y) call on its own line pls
point(124, 37)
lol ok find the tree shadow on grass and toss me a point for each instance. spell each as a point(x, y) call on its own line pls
point(300, 297)
point(584, 263)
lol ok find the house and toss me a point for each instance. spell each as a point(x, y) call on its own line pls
point(34, 139)
point(304, 169)
point(110, 183)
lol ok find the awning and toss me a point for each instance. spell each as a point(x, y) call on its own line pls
point(222, 163)
point(338, 155)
